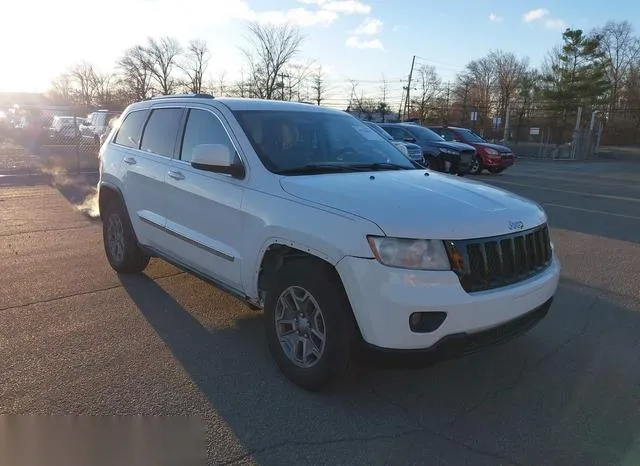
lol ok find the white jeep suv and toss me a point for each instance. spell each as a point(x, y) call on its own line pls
point(307, 213)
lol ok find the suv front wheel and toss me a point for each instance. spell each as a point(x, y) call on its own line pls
point(120, 243)
point(309, 324)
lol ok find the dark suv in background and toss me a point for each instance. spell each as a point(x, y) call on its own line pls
point(436, 150)
point(494, 157)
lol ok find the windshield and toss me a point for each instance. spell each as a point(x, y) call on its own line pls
point(423, 133)
point(379, 130)
point(289, 140)
point(470, 136)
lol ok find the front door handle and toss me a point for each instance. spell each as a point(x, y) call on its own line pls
point(130, 160)
point(176, 175)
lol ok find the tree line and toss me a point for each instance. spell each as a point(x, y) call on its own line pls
point(597, 70)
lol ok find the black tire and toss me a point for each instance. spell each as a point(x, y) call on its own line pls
point(323, 284)
point(476, 166)
point(131, 260)
point(495, 170)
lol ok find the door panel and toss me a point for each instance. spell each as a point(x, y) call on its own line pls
point(143, 182)
point(144, 167)
point(204, 209)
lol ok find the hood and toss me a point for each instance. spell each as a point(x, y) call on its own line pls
point(408, 204)
point(498, 147)
point(411, 146)
point(459, 146)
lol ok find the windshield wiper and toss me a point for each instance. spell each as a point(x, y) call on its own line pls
point(379, 166)
point(311, 168)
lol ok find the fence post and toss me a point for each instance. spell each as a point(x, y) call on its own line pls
point(506, 124)
point(575, 143)
point(77, 143)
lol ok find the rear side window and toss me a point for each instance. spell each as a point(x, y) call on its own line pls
point(161, 131)
point(129, 132)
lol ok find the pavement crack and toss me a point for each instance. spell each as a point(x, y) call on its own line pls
point(313, 443)
point(81, 293)
point(526, 368)
point(46, 230)
point(424, 429)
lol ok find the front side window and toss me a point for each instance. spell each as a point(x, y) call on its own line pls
point(425, 134)
point(129, 132)
point(161, 131)
point(292, 140)
point(470, 136)
point(447, 134)
point(397, 133)
point(202, 128)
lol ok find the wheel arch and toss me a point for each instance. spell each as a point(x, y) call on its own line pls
point(276, 252)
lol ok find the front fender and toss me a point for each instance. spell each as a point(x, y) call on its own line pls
point(321, 232)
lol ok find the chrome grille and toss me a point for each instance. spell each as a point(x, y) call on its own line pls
point(488, 263)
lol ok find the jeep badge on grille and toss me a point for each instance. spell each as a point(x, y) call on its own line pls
point(518, 225)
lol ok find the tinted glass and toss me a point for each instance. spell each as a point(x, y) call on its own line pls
point(161, 131)
point(286, 140)
point(447, 134)
point(470, 136)
point(396, 132)
point(424, 134)
point(379, 130)
point(202, 128)
point(129, 132)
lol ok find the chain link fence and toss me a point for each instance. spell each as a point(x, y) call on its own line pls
point(47, 139)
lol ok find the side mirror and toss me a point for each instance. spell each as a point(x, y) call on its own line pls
point(216, 158)
point(412, 140)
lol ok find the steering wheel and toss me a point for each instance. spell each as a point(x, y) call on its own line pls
point(342, 153)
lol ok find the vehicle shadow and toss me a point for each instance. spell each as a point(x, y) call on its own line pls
point(565, 393)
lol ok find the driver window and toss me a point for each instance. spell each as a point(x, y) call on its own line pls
point(203, 128)
point(447, 134)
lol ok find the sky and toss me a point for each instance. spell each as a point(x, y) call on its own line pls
point(362, 40)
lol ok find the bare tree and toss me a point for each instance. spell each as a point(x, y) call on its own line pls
point(271, 50)
point(483, 78)
point(135, 73)
point(161, 58)
point(104, 87)
point(429, 89)
point(195, 64)
point(508, 70)
point(83, 77)
point(462, 92)
point(62, 89)
point(621, 50)
point(318, 86)
point(383, 105)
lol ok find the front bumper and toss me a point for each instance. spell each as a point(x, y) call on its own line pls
point(383, 299)
point(498, 161)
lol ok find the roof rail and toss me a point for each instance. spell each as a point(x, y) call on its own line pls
point(181, 96)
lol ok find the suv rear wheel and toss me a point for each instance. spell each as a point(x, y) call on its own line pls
point(309, 324)
point(120, 244)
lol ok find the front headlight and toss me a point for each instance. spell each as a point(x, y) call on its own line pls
point(420, 254)
point(448, 151)
point(401, 147)
point(490, 151)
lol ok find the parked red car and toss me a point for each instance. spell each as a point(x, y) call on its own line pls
point(494, 157)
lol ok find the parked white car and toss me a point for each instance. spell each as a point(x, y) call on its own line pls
point(307, 213)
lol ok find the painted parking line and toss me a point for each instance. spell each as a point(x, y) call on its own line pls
point(591, 211)
point(569, 191)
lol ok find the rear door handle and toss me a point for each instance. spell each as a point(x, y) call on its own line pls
point(130, 160)
point(176, 175)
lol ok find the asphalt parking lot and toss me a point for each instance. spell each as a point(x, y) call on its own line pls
point(77, 339)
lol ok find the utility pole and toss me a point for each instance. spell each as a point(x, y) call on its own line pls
point(409, 87)
point(448, 102)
